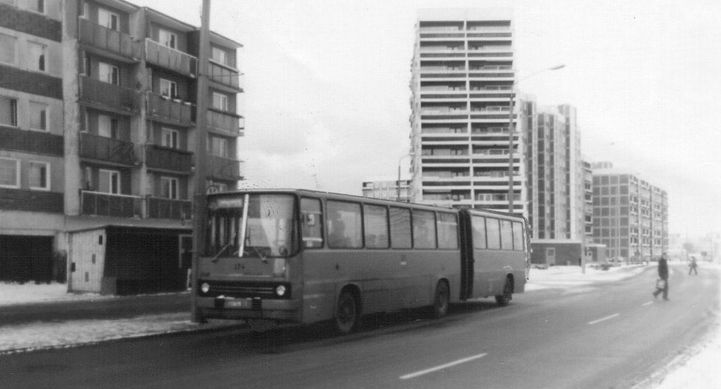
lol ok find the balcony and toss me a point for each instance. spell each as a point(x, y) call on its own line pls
point(31, 200)
point(170, 111)
point(224, 123)
point(115, 42)
point(172, 59)
point(100, 148)
point(167, 159)
point(107, 204)
point(160, 208)
point(224, 75)
point(104, 95)
point(225, 169)
point(35, 142)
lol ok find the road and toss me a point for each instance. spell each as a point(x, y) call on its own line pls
point(606, 336)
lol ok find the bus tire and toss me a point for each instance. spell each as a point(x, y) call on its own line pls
point(441, 299)
point(505, 298)
point(347, 312)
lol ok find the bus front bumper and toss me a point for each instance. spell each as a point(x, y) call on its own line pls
point(250, 308)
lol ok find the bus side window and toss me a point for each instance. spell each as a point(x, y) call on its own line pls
point(424, 229)
point(344, 225)
point(375, 219)
point(478, 223)
point(493, 230)
point(506, 235)
point(311, 223)
point(400, 228)
point(518, 238)
point(447, 226)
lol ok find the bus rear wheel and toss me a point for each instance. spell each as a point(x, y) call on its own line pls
point(505, 298)
point(441, 300)
point(346, 313)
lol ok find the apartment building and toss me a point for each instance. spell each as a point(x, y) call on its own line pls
point(32, 178)
point(588, 202)
point(462, 85)
point(387, 188)
point(555, 175)
point(630, 215)
point(124, 116)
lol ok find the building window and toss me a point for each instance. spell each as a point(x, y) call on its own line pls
point(218, 147)
point(108, 19)
point(8, 111)
point(38, 116)
point(109, 181)
point(167, 38)
point(108, 73)
point(168, 88)
point(108, 127)
point(7, 49)
point(9, 173)
point(39, 175)
point(169, 188)
point(169, 138)
point(220, 101)
point(37, 6)
point(219, 55)
point(37, 53)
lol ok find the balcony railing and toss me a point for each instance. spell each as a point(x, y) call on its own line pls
point(107, 204)
point(224, 75)
point(169, 58)
point(107, 149)
point(224, 122)
point(107, 39)
point(109, 95)
point(30, 141)
point(170, 111)
point(163, 158)
point(31, 200)
point(224, 168)
point(160, 208)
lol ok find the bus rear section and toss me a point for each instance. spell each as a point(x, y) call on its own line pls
point(494, 255)
point(254, 277)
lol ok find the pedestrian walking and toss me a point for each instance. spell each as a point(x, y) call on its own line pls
point(693, 266)
point(662, 283)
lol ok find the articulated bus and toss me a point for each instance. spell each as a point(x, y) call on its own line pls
point(300, 256)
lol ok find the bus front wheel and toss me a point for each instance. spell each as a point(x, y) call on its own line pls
point(346, 313)
point(505, 298)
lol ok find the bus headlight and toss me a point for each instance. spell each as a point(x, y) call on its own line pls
point(205, 287)
point(280, 290)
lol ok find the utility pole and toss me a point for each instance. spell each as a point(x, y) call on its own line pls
point(199, 200)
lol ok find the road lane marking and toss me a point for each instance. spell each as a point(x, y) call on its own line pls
point(603, 319)
point(647, 304)
point(441, 367)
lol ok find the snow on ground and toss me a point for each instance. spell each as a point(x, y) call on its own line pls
point(29, 293)
point(697, 369)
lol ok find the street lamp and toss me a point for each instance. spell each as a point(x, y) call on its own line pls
point(398, 183)
point(511, 130)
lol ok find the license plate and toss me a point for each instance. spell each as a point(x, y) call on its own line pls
point(238, 303)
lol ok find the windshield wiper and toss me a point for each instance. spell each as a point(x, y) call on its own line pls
point(216, 256)
point(219, 253)
point(260, 254)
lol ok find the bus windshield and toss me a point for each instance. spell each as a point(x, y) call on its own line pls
point(269, 227)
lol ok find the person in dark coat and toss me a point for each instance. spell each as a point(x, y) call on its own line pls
point(663, 276)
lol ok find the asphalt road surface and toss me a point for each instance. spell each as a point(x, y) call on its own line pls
point(611, 335)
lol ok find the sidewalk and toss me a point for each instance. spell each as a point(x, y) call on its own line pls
point(44, 316)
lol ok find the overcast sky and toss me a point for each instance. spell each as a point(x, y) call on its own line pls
point(327, 98)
